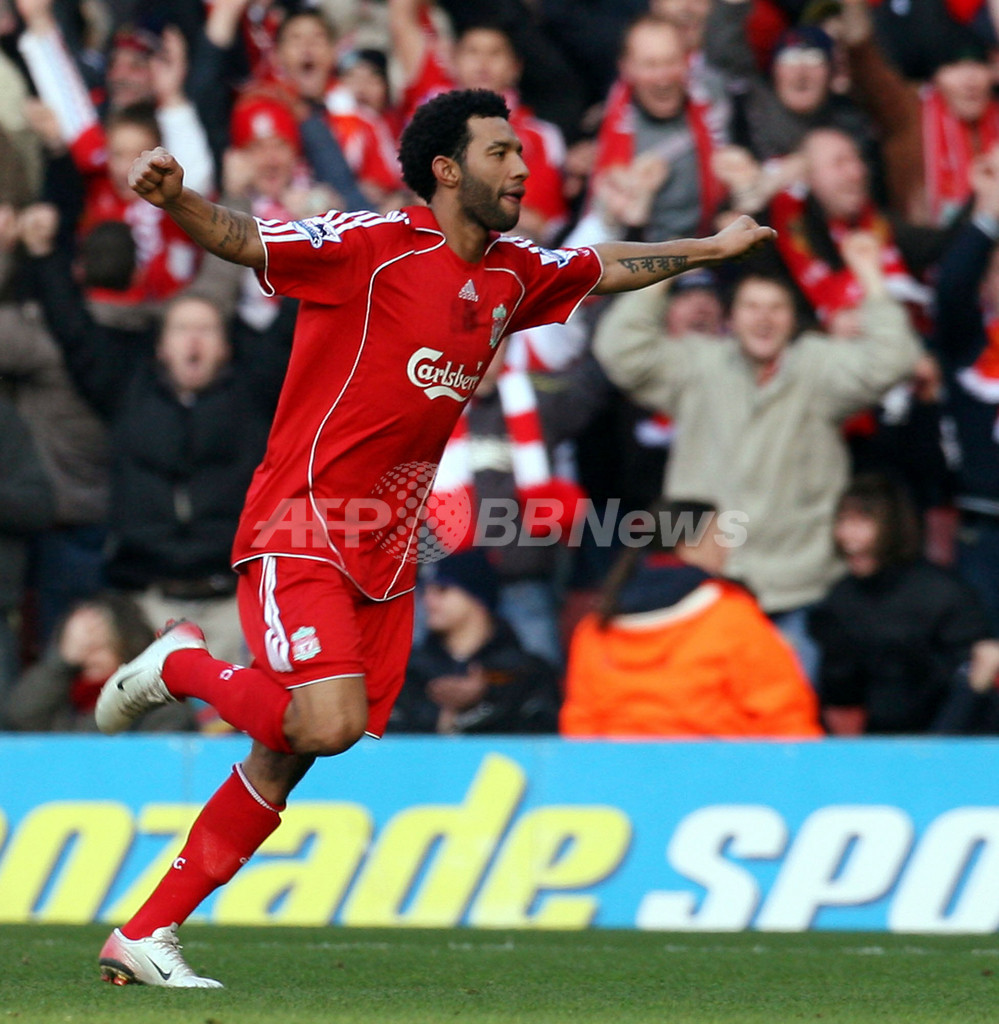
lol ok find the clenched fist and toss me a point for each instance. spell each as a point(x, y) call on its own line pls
point(157, 177)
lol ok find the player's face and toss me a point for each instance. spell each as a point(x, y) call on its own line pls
point(655, 66)
point(306, 56)
point(493, 173)
point(762, 319)
point(192, 347)
point(484, 59)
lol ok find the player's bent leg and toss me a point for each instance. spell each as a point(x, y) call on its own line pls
point(249, 699)
point(327, 717)
point(274, 775)
point(177, 665)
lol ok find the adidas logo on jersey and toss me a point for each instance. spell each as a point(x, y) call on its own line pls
point(468, 292)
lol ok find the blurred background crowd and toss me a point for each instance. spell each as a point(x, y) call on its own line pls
point(788, 468)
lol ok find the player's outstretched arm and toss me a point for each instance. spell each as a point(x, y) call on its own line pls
point(159, 179)
point(631, 265)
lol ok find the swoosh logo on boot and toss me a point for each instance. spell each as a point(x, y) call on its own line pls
point(165, 977)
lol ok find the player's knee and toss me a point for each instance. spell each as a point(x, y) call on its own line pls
point(327, 718)
point(326, 739)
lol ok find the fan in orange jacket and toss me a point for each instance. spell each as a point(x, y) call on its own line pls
point(678, 651)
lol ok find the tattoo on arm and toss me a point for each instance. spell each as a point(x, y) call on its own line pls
point(234, 227)
point(229, 234)
point(655, 264)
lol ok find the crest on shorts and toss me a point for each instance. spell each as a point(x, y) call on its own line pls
point(305, 644)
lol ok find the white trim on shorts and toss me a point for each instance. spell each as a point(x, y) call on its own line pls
point(275, 638)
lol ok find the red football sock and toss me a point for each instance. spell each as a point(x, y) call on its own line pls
point(246, 698)
point(230, 827)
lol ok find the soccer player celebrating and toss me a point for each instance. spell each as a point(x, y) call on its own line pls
point(399, 317)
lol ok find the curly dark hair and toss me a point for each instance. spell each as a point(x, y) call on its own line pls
point(440, 128)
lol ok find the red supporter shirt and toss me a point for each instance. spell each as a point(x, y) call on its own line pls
point(363, 136)
point(394, 333)
point(367, 147)
point(165, 257)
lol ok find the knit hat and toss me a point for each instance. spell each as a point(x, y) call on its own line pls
point(258, 118)
point(701, 277)
point(968, 47)
point(804, 37)
point(470, 571)
point(134, 37)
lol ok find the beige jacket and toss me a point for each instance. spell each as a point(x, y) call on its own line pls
point(773, 452)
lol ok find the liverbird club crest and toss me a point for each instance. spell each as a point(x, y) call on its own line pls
point(499, 322)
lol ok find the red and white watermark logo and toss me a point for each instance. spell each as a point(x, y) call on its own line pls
point(404, 517)
point(424, 526)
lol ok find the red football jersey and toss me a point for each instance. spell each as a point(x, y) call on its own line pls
point(394, 333)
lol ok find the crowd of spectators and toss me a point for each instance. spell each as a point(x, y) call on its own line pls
point(826, 414)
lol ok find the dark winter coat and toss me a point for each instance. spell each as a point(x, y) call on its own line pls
point(522, 696)
point(896, 644)
point(959, 340)
point(26, 502)
point(180, 470)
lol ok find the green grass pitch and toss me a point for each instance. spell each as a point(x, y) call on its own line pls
point(48, 974)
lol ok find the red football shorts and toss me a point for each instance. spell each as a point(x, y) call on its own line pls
point(304, 621)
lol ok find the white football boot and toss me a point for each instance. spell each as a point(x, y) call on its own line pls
point(155, 960)
point(138, 685)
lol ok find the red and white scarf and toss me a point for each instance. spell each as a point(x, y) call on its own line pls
point(949, 147)
point(544, 495)
point(616, 146)
point(828, 289)
point(981, 379)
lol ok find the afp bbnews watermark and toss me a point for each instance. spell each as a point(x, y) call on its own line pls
point(432, 530)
